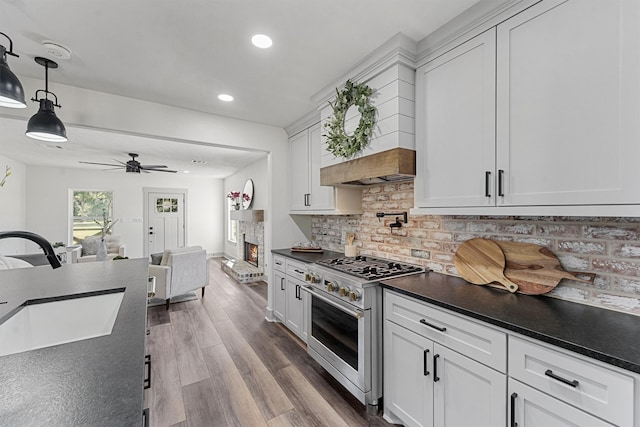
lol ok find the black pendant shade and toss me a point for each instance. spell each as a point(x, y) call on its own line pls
point(45, 125)
point(11, 91)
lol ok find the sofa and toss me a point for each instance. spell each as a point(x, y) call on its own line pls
point(179, 271)
point(89, 246)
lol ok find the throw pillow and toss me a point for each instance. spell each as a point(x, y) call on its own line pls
point(113, 244)
point(156, 258)
point(90, 245)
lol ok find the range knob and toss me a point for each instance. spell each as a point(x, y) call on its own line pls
point(355, 295)
point(344, 291)
point(332, 287)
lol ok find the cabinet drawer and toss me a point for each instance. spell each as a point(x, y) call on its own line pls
point(476, 341)
point(279, 263)
point(296, 269)
point(579, 382)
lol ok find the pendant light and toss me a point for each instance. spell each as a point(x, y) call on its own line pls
point(45, 125)
point(11, 91)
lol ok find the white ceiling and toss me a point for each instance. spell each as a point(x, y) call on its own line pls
point(184, 53)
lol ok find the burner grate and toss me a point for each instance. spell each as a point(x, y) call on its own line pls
point(370, 268)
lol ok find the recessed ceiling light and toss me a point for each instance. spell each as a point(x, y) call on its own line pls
point(261, 41)
point(186, 171)
point(225, 97)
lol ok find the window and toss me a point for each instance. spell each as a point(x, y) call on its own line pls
point(232, 224)
point(89, 207)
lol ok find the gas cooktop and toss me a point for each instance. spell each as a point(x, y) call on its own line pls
point(370, 268)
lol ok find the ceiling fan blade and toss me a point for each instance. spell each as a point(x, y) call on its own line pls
point(152, 166)
point(100, 164)
point(159, 170)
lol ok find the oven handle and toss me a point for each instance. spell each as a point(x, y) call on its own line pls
point(353, 312)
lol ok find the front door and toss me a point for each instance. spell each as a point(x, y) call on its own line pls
point(165, 222)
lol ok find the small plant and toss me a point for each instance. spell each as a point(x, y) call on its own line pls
point(115, 258)
point(106, 224)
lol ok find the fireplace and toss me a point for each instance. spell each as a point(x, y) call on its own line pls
point(251, 250)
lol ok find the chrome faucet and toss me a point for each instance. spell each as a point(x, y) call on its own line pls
point(41, 241)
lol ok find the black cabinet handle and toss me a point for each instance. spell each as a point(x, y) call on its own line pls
point(298, 271)
point(500, 183)
point(436, 378)
point(439, 328)
point(572, 383)
point(513, 410)
point(487, 183)
point(145, 416)
point(147, 363)
point(297, 291)
point(282, 283)
point(424, 361)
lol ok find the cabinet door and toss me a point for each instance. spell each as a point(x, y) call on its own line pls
point(531, 408)
point(568, 102)
point(321, 197)
point(466, 393)
point(294, 306)
point(455, 132)
point(280, 296)
point(299, 180)
point(408, 380)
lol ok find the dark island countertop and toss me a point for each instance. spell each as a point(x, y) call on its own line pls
point(308, 257)
point(95, 382)
point(605, 335)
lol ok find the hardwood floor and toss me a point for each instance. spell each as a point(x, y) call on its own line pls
point(216, 361)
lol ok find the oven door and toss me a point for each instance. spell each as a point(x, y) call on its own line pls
point(338, 340)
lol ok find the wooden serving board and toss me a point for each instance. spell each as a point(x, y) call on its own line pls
point(481, 262)
point(535, 268)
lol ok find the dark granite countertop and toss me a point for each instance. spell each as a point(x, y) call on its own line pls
point(306, 256)
point(95, 382)
point(604, 335)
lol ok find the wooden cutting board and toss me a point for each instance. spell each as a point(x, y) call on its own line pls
point(481, 262)
point(535, 268)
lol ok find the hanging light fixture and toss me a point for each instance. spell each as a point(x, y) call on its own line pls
point(45, 125)
point(11, 92)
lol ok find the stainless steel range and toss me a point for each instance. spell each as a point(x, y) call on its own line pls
point(345, 318)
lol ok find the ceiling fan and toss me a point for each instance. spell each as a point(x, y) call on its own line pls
point(134, 166)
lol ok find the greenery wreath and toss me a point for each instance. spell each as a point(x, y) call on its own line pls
point(338, 142)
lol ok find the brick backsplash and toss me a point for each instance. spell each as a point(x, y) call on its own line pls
point(608, 247)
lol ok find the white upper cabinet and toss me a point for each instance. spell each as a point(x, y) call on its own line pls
point(456, 111)
point(568, 93)
point(555, 132)
point(307, 195)
point(306, 191)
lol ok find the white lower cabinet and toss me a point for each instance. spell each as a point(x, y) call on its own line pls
point(428, 384)
point(280, 296)
point(445, 369)
point(587, 388)
point(531, 408)
point(295, 307)
point(290, 301)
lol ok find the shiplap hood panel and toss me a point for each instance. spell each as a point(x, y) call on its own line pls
point(390, 154)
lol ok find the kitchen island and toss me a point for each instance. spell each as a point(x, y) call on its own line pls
point(97, 381)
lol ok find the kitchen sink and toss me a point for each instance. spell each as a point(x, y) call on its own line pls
point(53, 321)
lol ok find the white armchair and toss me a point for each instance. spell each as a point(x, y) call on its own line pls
point(180, 271)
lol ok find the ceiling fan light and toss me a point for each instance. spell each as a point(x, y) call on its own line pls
point(11, 91)
point(45, 125)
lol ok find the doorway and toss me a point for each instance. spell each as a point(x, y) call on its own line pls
point(165, 219)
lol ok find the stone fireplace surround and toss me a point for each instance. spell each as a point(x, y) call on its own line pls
point(238, 268)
